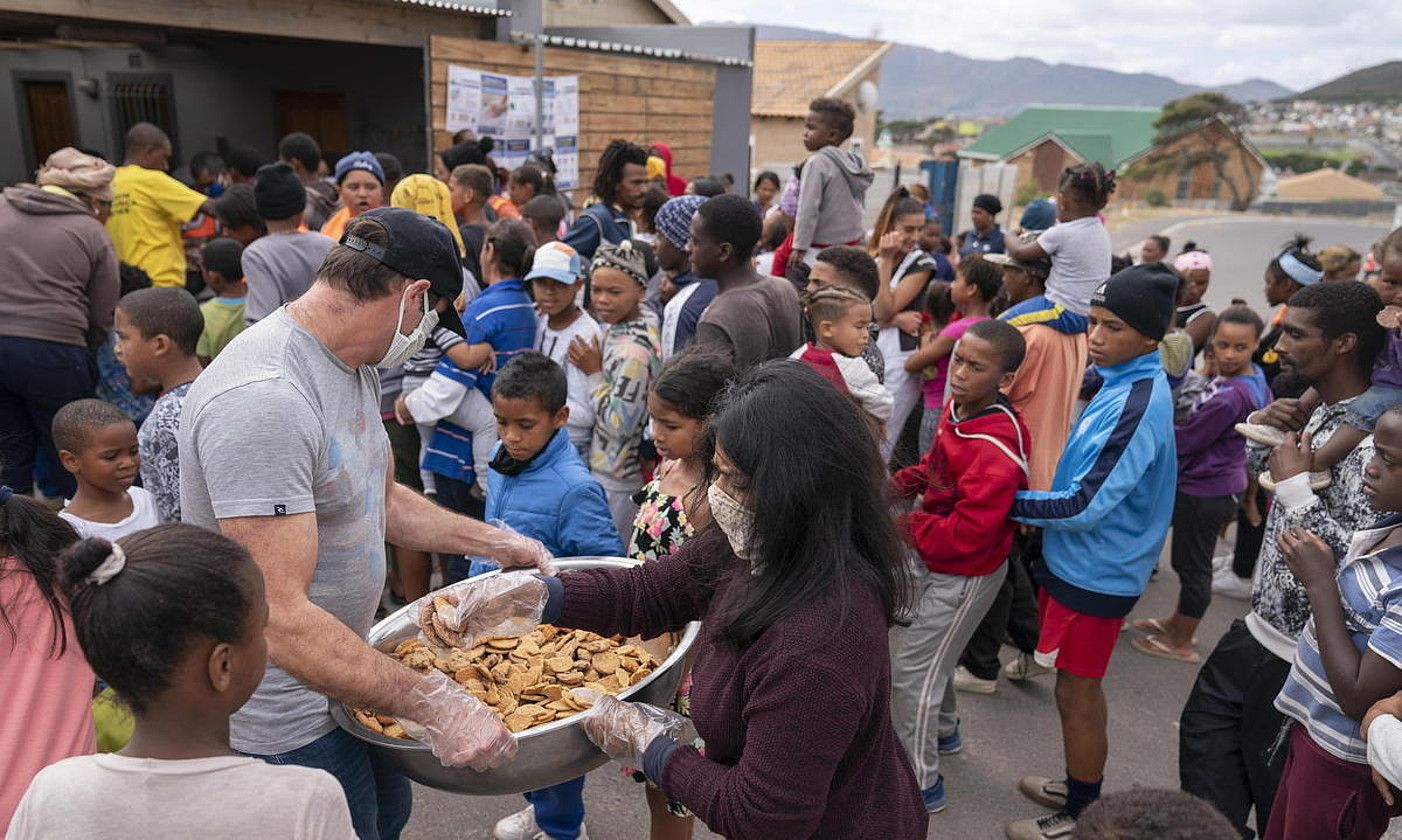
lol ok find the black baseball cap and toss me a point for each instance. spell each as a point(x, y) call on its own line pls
point(421, 248)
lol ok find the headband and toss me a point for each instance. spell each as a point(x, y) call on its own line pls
point(108, 569)
point(5, 494)
point(1297, 270)
point(1192, 261)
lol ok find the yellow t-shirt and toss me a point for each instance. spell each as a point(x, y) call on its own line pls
point(148, 208)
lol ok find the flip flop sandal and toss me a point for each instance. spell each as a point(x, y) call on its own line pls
point(1151, 626)
point(1151, 646)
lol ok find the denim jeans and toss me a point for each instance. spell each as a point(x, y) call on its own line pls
point(1365, 409)
point(37, 378)
point(559, 809)
point(378, 795)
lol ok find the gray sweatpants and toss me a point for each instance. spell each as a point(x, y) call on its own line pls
point(923, 656)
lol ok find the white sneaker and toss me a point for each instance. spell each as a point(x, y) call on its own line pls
point(1222, 564)
point(967, 682)
point(1024, 667)
point(1318, 480)
point(518, 826)
point(1232, 586)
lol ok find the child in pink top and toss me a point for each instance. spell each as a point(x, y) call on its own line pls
point(47, 682)
point(976, 283)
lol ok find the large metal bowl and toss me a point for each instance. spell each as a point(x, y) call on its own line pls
point(547, 755)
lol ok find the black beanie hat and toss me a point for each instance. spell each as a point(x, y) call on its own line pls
point(1143, 296)
point(278, 192)
point(988, 203)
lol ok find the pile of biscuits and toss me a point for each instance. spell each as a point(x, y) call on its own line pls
point(525, 680)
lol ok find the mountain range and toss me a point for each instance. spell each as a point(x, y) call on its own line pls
point(918, 82)
point(1379, 83)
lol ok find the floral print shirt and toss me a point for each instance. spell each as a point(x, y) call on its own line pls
point(160, 456)
point(661, 525)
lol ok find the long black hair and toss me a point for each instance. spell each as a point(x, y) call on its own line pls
point(36, 536)
point(180, 582)
point(816, 485)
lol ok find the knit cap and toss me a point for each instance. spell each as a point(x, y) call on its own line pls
point(674, 218)
point(1143, 296)
point(365, 161)
point(278, 192)
point(623, 257)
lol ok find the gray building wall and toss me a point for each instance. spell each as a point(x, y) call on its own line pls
point(226, 88)
point(730, 134)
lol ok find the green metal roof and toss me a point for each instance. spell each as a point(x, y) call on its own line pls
point(1109, 136)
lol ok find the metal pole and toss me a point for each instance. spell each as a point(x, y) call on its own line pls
point(540, 82)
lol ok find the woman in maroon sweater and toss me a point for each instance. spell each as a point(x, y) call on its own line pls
point(797, 586)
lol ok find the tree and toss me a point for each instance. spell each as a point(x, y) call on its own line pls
point(1181, 117)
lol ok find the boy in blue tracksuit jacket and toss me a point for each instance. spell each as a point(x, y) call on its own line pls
point(1104, 522)
point(539, 487)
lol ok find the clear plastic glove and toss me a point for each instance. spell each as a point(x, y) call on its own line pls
point(462, 730)
point(623, 730)
point(514, 551)
point(501, 605)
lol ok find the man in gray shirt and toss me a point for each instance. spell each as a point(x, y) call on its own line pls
point(753, 318)
point(282, 449)
point(280, 267)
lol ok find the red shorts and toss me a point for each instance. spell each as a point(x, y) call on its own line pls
point(1075, 642)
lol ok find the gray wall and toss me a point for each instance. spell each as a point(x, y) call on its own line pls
point(730, 135)
point(225, 88)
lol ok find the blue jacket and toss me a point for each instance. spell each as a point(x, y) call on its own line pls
point(557, 501)
point(1112, 497)
point(597, 225)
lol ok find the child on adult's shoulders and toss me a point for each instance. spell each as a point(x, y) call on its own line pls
point(97, 443)
point(832, 184)
point(1384, 392)
point(1079, 247)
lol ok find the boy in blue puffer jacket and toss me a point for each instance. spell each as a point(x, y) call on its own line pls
point(1104, 522)
point(539, 487)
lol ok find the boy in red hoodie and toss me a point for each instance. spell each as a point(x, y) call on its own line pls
point(960, 530)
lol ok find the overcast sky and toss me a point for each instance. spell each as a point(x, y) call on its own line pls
point(1298, 43)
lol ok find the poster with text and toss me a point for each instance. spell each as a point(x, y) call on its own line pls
point(503, 107)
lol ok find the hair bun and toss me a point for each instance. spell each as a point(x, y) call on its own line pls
point(80, 560)
point(486, 144)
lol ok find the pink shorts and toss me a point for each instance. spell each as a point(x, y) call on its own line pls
point(1075, 642)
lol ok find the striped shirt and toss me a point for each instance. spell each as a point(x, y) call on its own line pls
point(1370, 587)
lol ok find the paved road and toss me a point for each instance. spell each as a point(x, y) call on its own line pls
point(1013, 732)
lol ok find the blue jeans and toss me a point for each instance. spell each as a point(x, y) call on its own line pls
point(379, 796)
point(1040, 310)
point(37, 378)
point(559, 810)
point(1365, 409)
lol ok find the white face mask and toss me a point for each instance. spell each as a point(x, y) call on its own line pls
point(733, 518)
point(402, 346)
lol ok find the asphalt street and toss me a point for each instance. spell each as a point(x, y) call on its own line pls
point(1013, 732)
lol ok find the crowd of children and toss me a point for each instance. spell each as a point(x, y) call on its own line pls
point(560, 382)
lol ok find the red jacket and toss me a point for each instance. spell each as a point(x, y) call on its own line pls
point(967, 483)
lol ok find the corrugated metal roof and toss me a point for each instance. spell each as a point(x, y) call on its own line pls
point(790, 74)
point(1109, 136)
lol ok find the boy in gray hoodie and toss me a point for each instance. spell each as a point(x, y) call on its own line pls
point(832, 185)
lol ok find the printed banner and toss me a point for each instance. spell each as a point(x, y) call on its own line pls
point(503, 108)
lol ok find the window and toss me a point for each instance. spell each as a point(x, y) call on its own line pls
point(1185, 180)
point(142, 97)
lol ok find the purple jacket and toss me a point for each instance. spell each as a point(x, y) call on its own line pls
point(1211, 455)
point(799, 740)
